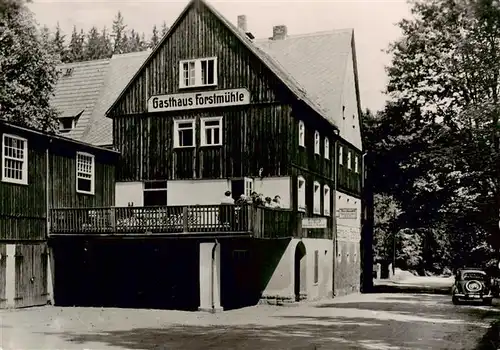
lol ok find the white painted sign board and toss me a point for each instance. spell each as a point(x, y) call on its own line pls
point(314, 223)
point(195, 100)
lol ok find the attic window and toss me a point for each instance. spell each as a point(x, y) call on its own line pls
point(199, 72)
point(66, 124)
point(68, 72)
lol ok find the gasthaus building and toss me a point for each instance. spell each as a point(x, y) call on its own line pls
point(213, 109)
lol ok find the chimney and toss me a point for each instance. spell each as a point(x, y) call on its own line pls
point(279, 32)
point(242, 23)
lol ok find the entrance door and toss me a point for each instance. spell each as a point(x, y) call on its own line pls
point(299, 270)
point(31, 275)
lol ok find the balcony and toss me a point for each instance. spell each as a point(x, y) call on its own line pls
point(213, 220)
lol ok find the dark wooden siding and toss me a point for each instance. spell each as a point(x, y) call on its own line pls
point(348, 180)
point(63, 183)
point(23, 208)
point(200, 34)
point(304, 157)
point(253, 137)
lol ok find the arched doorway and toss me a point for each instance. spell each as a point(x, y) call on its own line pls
point(299, 270)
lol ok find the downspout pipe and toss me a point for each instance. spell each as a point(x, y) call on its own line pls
point(212, 275)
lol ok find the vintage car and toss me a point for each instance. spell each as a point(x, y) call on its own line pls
point(471, 284)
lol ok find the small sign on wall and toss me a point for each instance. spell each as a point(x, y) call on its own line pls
point(347, 213)
point(314, 223)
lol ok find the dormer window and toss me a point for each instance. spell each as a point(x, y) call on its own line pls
point(66, 124)
point(198, 72)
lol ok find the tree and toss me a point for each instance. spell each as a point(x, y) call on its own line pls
point(105, 45)
point(59, 44)
point(164, 29)
point(118, 30)
point(154, 38)
point(435, 142)
point(93, 45)
point(76, 49)
point(29, 70)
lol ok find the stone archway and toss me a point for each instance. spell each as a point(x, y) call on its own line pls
point(299, 270)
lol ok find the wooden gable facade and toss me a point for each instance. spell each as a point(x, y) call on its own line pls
point(39, 172)
point(260, 138)
point(254, 136)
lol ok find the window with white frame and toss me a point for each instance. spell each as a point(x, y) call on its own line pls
point(327, 148)
point(341, 155)
point(326, 200)
point(301, 193)
point(248, 186)
point(317, 198)
point(349, 160)
point(14, 159)
point(316, 142)
point(356, 164)
point(198, 72)
point(211, 131)
point(302, 134)
point(85, 173)
point(184, 131)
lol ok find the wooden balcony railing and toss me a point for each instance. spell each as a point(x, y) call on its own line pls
point(245, 220)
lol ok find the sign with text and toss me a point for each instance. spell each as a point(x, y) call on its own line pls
point(348, 233)
point(347, 213)
point(194, 100)
point(314, 223)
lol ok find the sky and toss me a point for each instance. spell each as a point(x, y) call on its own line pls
point(373, 22)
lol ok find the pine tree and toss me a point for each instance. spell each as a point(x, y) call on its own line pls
point(164, 29)
point(154, 39)
point(105, 45)
point(75, 53)
point(59, 44)
point(119, 35)
point(143, 44)
point(92, 46)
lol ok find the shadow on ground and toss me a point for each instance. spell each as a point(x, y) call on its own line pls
point(349, 325)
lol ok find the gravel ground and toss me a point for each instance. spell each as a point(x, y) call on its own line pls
point(369, 321)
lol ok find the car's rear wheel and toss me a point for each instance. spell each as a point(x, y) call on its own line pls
point(455, 300)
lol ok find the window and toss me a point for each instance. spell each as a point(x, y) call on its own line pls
point(184, 133)
point(327, 148)
point(349, 160)
point(66, 124)
point(248, 186)
point(326, 200)
point(155, 193)
point(316, 266)
point(84, 173)
point(301, 193)
point(199, 72)
point(316, 142)
point(356, 164)
point(341, 155)
point(15, 159)
point(317, 198)
point(211, 131)
point(302, 134)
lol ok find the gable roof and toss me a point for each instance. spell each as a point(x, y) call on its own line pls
point(277, 67)
point(76, 94)
point(318, 62)
point(121, 69)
